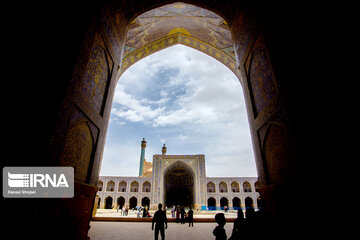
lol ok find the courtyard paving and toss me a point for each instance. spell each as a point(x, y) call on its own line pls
point(142, 231)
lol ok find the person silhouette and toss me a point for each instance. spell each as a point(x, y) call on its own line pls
point(219, 231)
point(249, 213)
point(191, 217)
point(144, 212)
point(161, 222)
point(178, 214)
point(239, 225)
point(182, 214)
point(173, 211)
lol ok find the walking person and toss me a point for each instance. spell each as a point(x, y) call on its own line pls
point(191, 217)
point(161, 222)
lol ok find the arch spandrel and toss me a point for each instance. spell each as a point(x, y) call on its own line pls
point(177, 165)
point(179, 23)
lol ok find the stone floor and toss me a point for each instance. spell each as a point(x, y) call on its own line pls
point(142, 230)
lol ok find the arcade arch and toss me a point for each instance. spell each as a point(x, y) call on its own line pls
point(235, 187)
point(246, 186)
point(249, 203)
point(145, 201)
point(110, 186)
point(146, 187)
point(122, 186)
point(133, 202)
point(211, 203)
point(211, 187)
point(134, 186)
point(236, 203)
point(223, 188)
point(224, 202)
point(108, 202)
point(121, 202)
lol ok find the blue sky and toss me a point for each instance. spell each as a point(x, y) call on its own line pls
point(187, 100)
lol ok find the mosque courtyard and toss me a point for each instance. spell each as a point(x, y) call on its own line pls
point(142, 230)
point(117, 226)
point(113, 213)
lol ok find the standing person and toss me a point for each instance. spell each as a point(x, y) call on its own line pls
point(191, 217)
point(161, 223)
point(249, 213)
point(123, 210)
point(117, 208)
point(178, 214)
point(219, 232)
point(144, 212)
point(239, 226)
point(182, 214)
point(173, 212)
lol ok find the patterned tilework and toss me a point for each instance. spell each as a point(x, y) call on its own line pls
point(96, 77)
point(78, 149)
point(261, 79)
point(174, 39)
point(179, 23)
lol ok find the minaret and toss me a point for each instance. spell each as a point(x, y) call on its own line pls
point(163, 150)
point(142, 157)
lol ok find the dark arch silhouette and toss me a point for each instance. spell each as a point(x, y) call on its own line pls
point(211, 203)
point(121, 201)
point(108, 202)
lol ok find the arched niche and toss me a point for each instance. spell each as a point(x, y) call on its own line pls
point(179, 189)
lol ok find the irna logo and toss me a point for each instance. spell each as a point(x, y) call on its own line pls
point(37, 180)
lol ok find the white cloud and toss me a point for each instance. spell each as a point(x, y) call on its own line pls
point(183, 137)
point(211, 93)
point(133, 109)
point(200, 103)
point(116, 120)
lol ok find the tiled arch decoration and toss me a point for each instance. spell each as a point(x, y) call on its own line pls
point(172, 40)
point(178, 23)
point(261, 82)
point(78, 148)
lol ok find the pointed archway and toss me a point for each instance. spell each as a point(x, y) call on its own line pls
point(211, 203)
point(133, 202)
point(108, 202)
point(121, 202)
point(81, 95)
point(179, 185)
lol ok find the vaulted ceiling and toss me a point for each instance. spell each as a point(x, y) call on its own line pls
point(178, 23)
